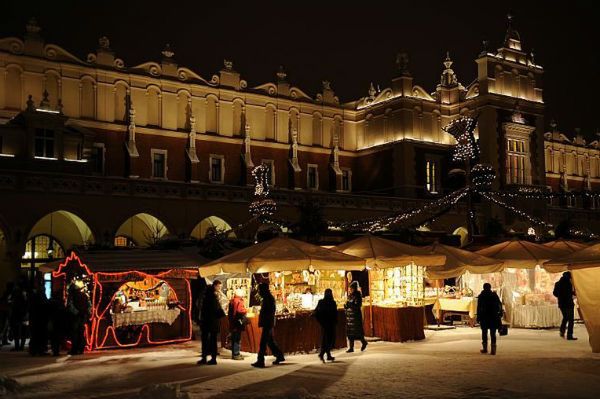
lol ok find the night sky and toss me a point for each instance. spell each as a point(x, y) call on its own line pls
point(348, 43)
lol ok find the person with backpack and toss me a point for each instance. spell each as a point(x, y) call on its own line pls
point(236, 314)
point(489, 316)
point(563, 290)
point(326, 314)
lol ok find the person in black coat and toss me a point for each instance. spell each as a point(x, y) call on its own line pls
point(58, 321)
point(354, 322)
point(489, 316)
point(38, 321)
point(266, 320)
point(326, 314)
point(17, 315)
point(563, 290)
point(210, 320)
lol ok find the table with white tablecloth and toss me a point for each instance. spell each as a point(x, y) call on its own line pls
point(137, 318)
point(535, 316)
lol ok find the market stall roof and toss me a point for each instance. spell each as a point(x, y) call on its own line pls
point(384, 253)
point(585, 265)
point(458, 261)
point(281, 254)
point(521, 254)
point(122, 260)
point(582, 259)
point(566, 245)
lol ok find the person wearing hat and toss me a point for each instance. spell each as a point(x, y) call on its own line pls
point(354, 322)
point(563, 290)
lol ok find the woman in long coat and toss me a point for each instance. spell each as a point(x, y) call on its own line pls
point(326, 315)
point(489, 316)
point(354, 322)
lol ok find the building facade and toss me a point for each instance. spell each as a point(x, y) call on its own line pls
point(94, 150)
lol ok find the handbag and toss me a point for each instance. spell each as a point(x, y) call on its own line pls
point(241, 320)
point(503, 330)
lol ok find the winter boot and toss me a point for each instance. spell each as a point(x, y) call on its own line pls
point(483, 347)
point(493, 352)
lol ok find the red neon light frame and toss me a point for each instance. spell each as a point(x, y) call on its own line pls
point(93, 330)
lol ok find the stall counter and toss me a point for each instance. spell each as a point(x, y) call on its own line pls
point(298, 333)
point(395, 323)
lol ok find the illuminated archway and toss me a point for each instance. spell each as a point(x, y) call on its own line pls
point(211, 222)
point(142, 229)
point(66, 227)
point(463, 233)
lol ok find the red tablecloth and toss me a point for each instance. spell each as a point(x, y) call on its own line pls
point(395, 324)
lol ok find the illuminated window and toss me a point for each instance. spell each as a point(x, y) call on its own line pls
point(39, 250)
point(346, 180)
point(312, 177)
point(44, 143)
point(432, 176)
point(516, 161)
point(271, 175)
point(159, 164)
point(217, 169)
point(123, 242)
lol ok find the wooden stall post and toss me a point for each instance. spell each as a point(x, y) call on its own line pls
point(371, 304)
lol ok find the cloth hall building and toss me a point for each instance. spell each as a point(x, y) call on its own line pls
point(93, 150)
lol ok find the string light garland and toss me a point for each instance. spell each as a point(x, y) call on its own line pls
point(482, 176)
point(262, 206)
point(532, 219)
point(462, 129)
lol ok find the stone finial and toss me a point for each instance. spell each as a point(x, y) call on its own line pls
point(228, 65)
point(168, 51)
point(448, 61)
point(281, 75)
point(32, 26)
point(449, 78)
point(372, 91)
point(553, 126)
point(45, 103)
point(326, 85)
point(104, 43)
point(402, 63)
point(485, 45)
point(30, 104)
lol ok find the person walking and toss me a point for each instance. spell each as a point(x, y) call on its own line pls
point(210, 320)
point(354, 322)
point(17, 316)
point(266, 320)
point(563, 290)
point(326, 314)
point(236, 314)
point(489, 316)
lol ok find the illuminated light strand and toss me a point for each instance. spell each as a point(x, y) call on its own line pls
point(532, 219)
point(462, 129)
point(262, 206)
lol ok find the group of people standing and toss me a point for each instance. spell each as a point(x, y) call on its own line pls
point(26, 312)
point(213, 305)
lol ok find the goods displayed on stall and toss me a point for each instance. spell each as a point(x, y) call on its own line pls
point(132, 307)
point(454, 300)
point(524, 287)
point(298, 273)
point(585, 270)
point(396, 285)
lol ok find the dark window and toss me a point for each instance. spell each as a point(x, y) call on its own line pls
point(159, 165)
point(98, 160)
point(346, 180)
point(216, 170)
point(313, 176)
point(44, 143)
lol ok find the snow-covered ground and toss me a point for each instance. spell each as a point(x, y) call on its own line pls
point(529, 364)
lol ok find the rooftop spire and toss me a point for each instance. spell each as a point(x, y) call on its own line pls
point(512, 39)
point(448, 78)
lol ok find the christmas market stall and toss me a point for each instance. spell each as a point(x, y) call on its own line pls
point(395, 309)
point(585, 270)
point(298, 273)
point(138, 296)
point(453, 300)
point(524, 286)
